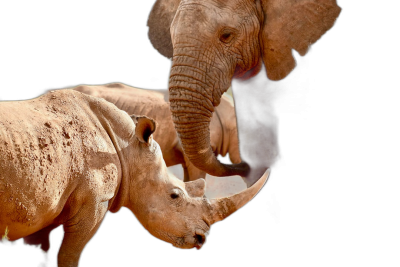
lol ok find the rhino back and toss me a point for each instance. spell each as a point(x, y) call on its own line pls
point(151, 103)
point(49, 147)
point(135, 101)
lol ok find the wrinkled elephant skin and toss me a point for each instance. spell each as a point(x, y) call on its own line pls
point(154, 104)
point(213, 41)
point(67, 158)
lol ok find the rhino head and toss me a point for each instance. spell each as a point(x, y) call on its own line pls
point(170, 209)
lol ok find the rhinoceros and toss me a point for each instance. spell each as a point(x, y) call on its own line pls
point(154, 103)
point(67, 158)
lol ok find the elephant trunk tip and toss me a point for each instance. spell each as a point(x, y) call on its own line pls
point(249, 175)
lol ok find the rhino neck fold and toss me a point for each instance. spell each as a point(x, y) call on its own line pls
point(121, 130)
point(121, 196)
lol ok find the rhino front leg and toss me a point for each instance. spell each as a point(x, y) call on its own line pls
point(40, 238)
point(78, 231)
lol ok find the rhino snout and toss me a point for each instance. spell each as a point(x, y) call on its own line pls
point(200, 238)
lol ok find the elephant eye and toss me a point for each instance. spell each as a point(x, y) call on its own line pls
point(226, 36)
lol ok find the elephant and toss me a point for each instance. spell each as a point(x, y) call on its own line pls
point(154, 104)
point(66, 158)
point(213, 41)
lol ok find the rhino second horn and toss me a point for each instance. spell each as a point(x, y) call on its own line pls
point(223, 207)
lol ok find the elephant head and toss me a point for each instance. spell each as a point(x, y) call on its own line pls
point(213, 41)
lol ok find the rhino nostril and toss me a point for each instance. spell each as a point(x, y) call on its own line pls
point(199, 239)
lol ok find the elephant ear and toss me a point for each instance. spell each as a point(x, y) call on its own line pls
point(292, 24)
point(159, 23)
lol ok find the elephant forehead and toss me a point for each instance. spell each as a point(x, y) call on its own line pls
point(219, 4)
point(215, 10)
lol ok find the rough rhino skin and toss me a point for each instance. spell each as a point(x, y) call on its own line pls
point(58, 156)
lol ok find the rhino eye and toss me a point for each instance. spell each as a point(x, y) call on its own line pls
point(174, 195)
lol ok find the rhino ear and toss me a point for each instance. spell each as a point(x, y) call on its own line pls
point(196, 188)
point(145, 127)
point(159, 23)
point(292, 24)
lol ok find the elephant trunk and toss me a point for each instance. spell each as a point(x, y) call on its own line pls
point(192, 107)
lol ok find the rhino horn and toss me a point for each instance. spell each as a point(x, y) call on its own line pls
point(223, 207)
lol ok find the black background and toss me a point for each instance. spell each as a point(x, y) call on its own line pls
point(309, 210)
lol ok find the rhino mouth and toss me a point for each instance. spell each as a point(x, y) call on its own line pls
point(200, 235)
point(200, 240)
